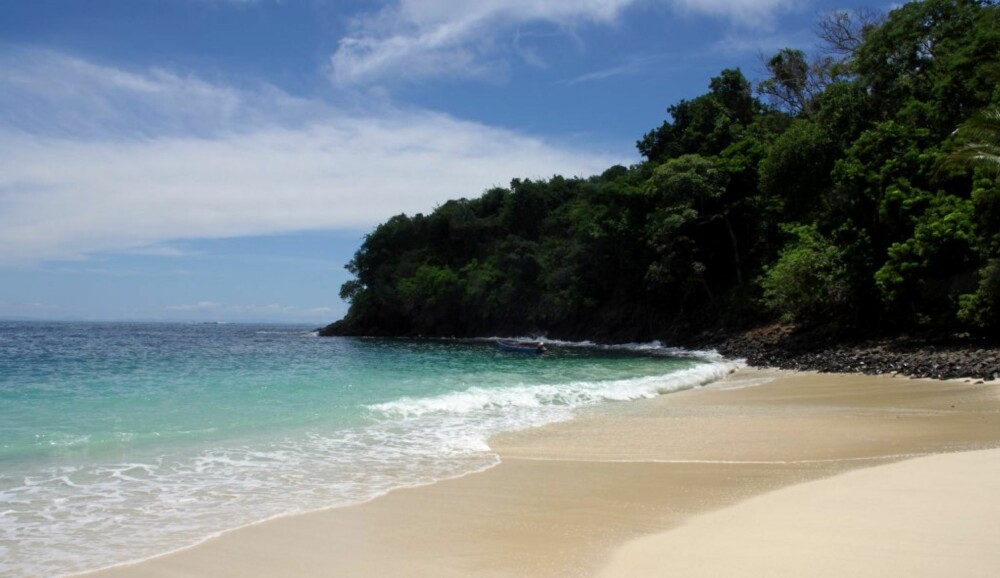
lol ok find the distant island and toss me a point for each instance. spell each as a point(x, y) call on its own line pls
point(850, 193)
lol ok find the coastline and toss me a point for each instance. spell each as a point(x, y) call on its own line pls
point(568, 498)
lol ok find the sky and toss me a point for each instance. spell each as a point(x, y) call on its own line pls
point(222, 160)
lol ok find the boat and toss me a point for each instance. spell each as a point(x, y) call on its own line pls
point(535, 347)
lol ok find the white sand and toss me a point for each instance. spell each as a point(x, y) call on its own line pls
point(934, 516)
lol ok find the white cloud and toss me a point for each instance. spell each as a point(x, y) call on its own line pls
point(58, 95)
point(741, 12)
point(215, 161)
point(417, 39)
point(413, 39)
point(630, 67)
point(764, 45)
point(161, 251)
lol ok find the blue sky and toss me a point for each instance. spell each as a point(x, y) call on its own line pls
point(222, 159)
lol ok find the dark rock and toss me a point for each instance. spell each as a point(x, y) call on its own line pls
point(938, 357)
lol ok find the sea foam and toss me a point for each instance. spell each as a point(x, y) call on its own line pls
point(563, 396)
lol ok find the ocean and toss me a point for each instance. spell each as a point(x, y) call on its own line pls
point(121, 441)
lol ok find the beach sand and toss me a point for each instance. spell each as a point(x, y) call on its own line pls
point(932, 516)
point(767, 473)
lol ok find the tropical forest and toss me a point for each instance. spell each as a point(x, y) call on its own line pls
point(855, 188)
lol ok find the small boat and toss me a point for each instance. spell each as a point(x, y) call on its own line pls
point(535, 347)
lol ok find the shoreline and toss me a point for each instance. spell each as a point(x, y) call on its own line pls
point(565, 498)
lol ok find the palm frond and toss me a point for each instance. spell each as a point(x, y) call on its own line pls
point(981, 133)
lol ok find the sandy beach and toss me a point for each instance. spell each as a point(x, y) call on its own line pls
point(765, 473)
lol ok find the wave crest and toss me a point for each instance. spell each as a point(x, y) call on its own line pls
point(569, 396)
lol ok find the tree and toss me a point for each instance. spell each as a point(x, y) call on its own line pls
point(808, 283)
point(980, 150)
point(844, 111)
point(429, 298)
point(925, 274)
point(981, 137)
point(795, 83)
point(682, 228)
point(705, 125)
point(842, 32)
point(880, 180)
point(796, 171)
point(942, 53)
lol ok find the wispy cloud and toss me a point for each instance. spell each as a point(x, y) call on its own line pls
point(738, 42)
point(140, 159)
point(161, 251)
point(410, 40)
point(630, 67)
point(416, 39)
point(748, 13)
point(58, 95)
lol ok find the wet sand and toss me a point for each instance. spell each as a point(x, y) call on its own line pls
point(594, 496)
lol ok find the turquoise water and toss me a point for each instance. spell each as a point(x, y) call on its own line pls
point(119, 441)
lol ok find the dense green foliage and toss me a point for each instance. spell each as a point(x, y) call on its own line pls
point(839, 192)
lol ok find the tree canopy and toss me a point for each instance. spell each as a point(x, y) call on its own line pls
point(857, 187)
